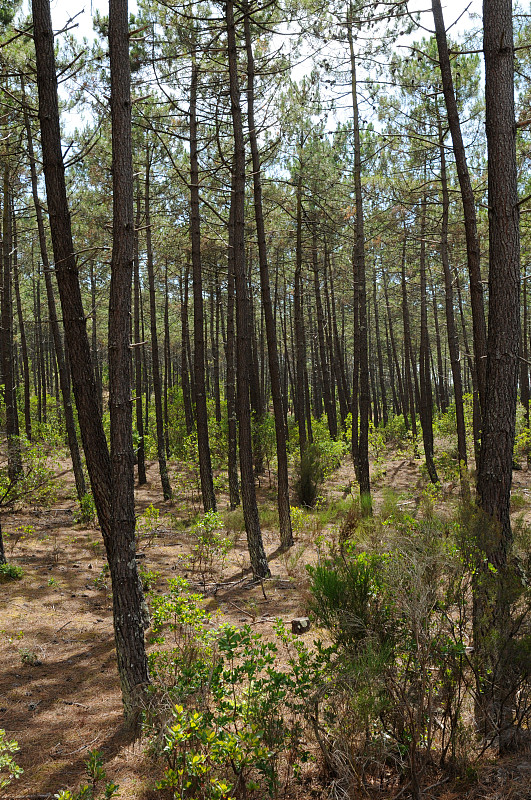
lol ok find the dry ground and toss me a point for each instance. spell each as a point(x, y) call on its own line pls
point(59, 691)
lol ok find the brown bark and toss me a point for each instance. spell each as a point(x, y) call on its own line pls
point(255, 545)
point(286, 535)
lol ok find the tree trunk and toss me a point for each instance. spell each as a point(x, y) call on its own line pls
point(64, 378)
point(426, 397)
point(286, 535)
point(492, 602)
point(155, 361)
point(128, 617)
point(23, 339)
point(469, 208)
point(139, 347)
point(230, 356)
point(364, 394)
point(203, 443)
point(257, 554)
point(453, 341)
point(14, 455)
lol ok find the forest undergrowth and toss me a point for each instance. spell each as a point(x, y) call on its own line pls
point(378, 699)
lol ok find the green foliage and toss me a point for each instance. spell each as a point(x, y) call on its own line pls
point(9, 770)
point(182, 668)
point(395, 432)
point(210, 544)
point(86, 514)
point(329, 451)
point(401, 622)
point(148, 525)
point(299, 520)
point(310, 476)
point(96, 775)
point(11, 572)
point(37, 483)
point(237, 714)
point(346, 598)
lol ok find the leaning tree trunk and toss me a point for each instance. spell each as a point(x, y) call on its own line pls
point(469, 207)
point(64, 378)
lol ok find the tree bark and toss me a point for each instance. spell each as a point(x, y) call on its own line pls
point(155, 360)
point(283, 504)
point(203, 443)
point(128, 617)
point(491, 598)
point(257, 554)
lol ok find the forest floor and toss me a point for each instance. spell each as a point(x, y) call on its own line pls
point(59, 689)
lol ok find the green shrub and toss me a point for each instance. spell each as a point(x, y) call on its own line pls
point(8, 769)
point(11, 572)
point(310, 476)
point(96, 776)
point(236, 719)
point(86, 514)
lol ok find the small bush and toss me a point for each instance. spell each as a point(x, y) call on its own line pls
point(86, 514)
point(11, 572)
point(96, 776)
point(310, 476)
point(8, 769)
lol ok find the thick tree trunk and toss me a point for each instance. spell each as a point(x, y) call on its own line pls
point(128, 617)
point(492, 601)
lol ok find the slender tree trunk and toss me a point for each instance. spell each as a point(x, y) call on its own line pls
point(325, 371)
point(155, 361)
point(426, 397)
point(385, 412)
point(64, 378)
point(453, 341)
point(469, 208)
point(139, 347)
point(408, 356)
point(364, 395)
point(185, 366)
point(23, 339)
point(230, 355)
point(257, 554)
point(201, 415)
point(14, 455)
point(286, 535)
